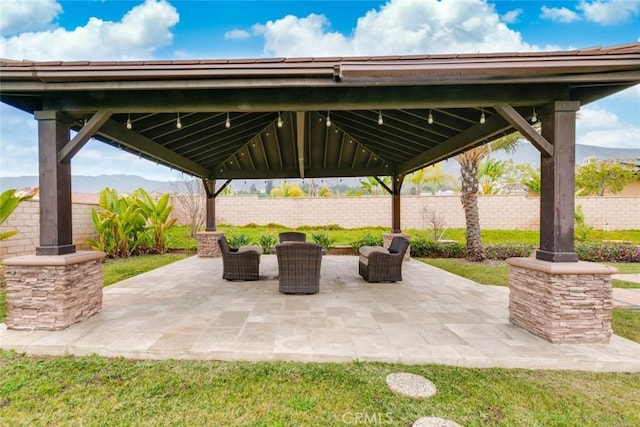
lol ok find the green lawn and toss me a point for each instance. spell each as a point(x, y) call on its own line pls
point(101, 391)
point(497, 273)
point(115, 270)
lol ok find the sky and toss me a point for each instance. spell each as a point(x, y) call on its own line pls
point(44, 30)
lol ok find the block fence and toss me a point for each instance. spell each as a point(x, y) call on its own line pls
point(503, 212)
point(26, 219)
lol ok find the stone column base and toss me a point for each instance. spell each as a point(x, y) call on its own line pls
point(52, 292)
point(562, 302)
point(208, 244)
point(388, 237)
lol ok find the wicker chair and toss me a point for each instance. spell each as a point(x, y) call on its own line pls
point(239, 264)
point(299, 267)
point(292, 236)
point(381, 265)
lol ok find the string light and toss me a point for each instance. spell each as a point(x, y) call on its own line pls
point(534, 118)
point(178, 122)
point(380, 120)
point(430, 118)
point(482, 118)
point(227, 123)
point(328, 122)
point(129, 125)
point(279, 120)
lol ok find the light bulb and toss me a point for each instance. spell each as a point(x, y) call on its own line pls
point(380, 120)
point(227, 123)
point(178, 122)
point(279, 121)
point(328, 119)
point(534, 118)
point(482, 118)
point(430, 118)
point(129, 125)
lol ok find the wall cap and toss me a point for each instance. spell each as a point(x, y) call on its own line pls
point(54, 260)
point(580, 267)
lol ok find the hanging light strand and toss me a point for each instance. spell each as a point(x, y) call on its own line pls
point(178, 122)
point(483, 119)
point(534, 117)
point(328, 122)
point(227, 123)
point(380, 119)
point(129, 124)
point(430, 118)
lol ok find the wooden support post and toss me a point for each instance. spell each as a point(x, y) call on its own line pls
point(209, 188)
point(55, 185)
point(395, 203)
point(557, 186)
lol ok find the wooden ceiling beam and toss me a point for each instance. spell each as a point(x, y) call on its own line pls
point(119, 134)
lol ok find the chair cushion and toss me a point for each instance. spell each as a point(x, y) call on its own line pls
point(250, 248)
point(368, 250)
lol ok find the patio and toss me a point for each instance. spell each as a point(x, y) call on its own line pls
point(186, 311)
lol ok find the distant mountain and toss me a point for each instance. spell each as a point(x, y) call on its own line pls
point(525, 153)
point(94, 184)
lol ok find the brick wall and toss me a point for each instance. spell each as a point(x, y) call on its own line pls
point(496, 212)
point(26, 219)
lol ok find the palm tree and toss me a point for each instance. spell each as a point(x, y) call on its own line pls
point(287, 190)
point(469, 162)
point(432, 177)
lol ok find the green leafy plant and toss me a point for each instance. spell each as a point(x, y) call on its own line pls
point(237, 240)
point(323, 239)
point(157, 220)
point(129, 225)
point(367, 240)
point(581, 229)
point(266, 241)
point(9, 201)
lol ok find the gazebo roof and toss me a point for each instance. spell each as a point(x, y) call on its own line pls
point(301, 94)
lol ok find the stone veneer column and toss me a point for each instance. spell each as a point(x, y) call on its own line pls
point(208, 244)
point(562, 302)
point(52, 292)
point(388, 237)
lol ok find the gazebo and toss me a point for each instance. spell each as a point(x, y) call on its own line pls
point(220, 120)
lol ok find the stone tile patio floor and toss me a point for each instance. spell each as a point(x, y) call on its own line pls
point(186, 311)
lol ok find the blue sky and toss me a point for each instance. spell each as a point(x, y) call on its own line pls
point(182, 29)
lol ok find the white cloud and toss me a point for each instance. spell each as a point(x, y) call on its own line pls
point(609, 12)
point(293, 36)
point(398, 27)
point(512, 16)
point(603, 128)
point(236, 34)
point(559, 14)
point(143, 29)
point(27, 15)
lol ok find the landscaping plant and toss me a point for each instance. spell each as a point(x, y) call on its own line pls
point(9, 201)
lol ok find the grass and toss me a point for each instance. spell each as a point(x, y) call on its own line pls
point(100, 391)
point(180, 237)
point(626, 323)
point(115, 270)
point(497, 273)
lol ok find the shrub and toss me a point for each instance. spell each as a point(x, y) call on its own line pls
point(323, 239)
point(607, 252)
point(367, 240)
point(237, 240)
point(508, 250)
point(426, 248)
point(266, 241)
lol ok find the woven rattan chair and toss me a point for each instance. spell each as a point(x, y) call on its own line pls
point(292, 236)
point(299, 267)
point(377, 264)
point(239, 264)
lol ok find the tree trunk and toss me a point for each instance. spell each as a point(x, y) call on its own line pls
point(469, 199)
